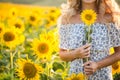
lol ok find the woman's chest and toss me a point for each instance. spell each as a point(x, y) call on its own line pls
point(99, 36)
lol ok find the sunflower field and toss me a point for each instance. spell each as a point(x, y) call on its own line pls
point(29, 45)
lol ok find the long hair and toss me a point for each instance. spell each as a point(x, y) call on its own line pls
point(72, 7)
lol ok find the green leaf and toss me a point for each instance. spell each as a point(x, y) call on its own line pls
point(58, 77)
point(116, 76)
point(43, 77)
point(57, 66)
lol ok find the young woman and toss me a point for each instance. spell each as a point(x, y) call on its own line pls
point(104, 36)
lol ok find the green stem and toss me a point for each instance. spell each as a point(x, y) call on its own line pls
point(88, 40)
point(1, 45)
point(89, 29)
point(18, 54)
point(48, 69)
point(11, 65)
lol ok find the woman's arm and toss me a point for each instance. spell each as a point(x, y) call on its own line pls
point(81, 52)
point(67, 55)
point(110, 59)
point(90, 67)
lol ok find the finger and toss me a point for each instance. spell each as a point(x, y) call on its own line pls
point(88, 73)
point(86, 53)
point(86, 46)
point(87, 70)
point(87, 49)
point(88, 67)
point(87, 56)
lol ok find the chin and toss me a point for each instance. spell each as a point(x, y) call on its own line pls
point(88, 1)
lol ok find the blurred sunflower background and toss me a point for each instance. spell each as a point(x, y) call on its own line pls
point(29, 41)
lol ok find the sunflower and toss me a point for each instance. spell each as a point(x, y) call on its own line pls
point(27, 70)
point(74, 76)
point(18, 24)
point(21, 39)
point(33, 19)
point(53, 14)
point(88, 17)
point(116, 68)
point(13, 13)
point(42, 48)
point(52, 37)
point(48, 23)
point(2, 28)
point(56, 40)
point(48, 36)
point(10, 37)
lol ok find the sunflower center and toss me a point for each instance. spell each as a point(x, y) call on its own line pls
point(88, 16)
point(47, 22)
point(115, 66)
point(32, 18)
point(0, 30)
point(52, 11)
point(17, 25)
point(43, 48)
point(13, 13)
point(8, 36)
point(29, 70)
point(52, 18)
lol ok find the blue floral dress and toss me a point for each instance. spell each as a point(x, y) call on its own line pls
point(103, 38)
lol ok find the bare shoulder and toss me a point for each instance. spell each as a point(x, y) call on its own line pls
point(61, 19)
point(72, 20)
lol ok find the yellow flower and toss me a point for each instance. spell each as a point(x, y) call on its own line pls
point(10, 38)
point(111, 50)
point(74, 76)
point(18, 24)
point(88, 17)
point(116, 68)
point(2, 28)
point(21, 39)
point(48, 36)
point(42, 48)
point(27, 70)
point(13, 13)
point(48, 23)
point(33, 19)
point(56, 40)
point(52, 37)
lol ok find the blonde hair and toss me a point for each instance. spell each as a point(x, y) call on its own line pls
point(103, 6)
point(67, 11)
point(115, 11)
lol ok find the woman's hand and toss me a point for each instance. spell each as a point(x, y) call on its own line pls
point(83, 52)
point(90, 67)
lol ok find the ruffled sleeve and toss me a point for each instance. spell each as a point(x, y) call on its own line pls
point(63, 37)
point(114, 36)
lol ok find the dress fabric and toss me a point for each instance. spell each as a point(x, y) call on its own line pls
point(103, 38)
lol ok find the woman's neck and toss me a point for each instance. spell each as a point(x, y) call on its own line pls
point(88, 6)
